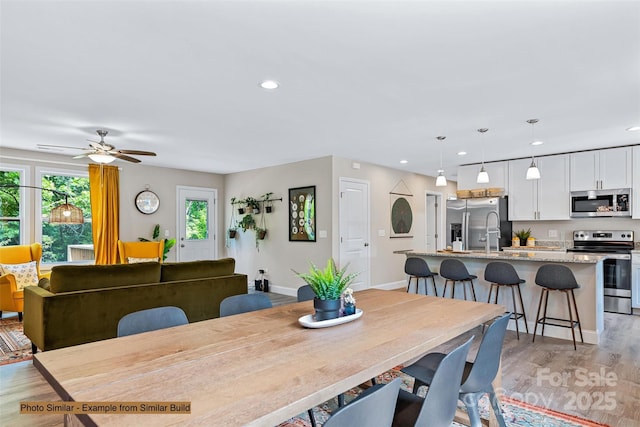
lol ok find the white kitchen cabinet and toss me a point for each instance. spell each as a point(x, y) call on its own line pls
point(547, 198)
point(635, 195)
point(635, 279)
point(498, 175)
point(605, 169)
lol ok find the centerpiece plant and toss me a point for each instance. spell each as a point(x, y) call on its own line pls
point(327, 284)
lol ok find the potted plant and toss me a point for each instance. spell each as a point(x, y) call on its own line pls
point(247, 222)
point(328, 285)
point(235, 201)
point(260, 235)
point(268, 204)
point(168, 243)
point(523, 235)
point(253, 205)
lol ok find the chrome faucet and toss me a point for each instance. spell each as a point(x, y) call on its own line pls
point(490, 231)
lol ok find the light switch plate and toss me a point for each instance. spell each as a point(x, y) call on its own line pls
point(322, 234)
point(381, 233)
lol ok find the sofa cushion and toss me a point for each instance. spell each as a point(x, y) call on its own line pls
point(69, 278)
point(172, 271)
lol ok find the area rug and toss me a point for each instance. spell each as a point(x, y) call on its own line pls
point(14, 345)
point(515, 412)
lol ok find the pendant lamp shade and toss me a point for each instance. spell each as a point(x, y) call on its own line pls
point(441, 180)
point(533, 172)
point(483, 175)
point(66, 214)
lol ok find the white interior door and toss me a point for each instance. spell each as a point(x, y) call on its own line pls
point(196, 223)
point(434, 221)
point(354, 230)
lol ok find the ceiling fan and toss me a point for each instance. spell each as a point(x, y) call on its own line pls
point(101, 152)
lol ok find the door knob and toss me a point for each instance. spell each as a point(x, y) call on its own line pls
point(366, 244)
point(182, 245)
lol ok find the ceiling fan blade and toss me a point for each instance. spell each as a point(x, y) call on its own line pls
point(137, 152)
point(125, 157)
point(50, 146)
point(81, 156)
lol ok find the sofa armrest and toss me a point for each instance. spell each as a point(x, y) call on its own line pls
point(34, 313)
point(7, 287)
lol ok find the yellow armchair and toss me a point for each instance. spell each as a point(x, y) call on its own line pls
point(140, 251)
point(11, 298)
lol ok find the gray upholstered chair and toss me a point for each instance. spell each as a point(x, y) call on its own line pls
point(556, 277)
point(417, 268)
point(305, 293)
point(150, 320)
point(453, 270)
point(374, 409)
point(478, 375)
point(500, 274)
point(244, 303)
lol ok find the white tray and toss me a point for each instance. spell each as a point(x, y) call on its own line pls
point(308, 322)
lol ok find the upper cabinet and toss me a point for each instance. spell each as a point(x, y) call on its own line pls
point(547, 198)
point(498, 174)
point(601, 169)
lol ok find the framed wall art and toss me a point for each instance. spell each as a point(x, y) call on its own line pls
point(302, 214)
point(401, 212)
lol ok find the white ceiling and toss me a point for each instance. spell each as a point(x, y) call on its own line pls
point(373, 81)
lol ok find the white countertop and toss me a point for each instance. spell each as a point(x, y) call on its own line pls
point(538, 256)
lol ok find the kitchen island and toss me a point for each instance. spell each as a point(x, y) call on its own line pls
point(587, 268)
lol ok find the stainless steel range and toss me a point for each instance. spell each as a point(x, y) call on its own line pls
point(617, 270)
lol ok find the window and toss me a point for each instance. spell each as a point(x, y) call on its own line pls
point(197, 219)
point(12, 206)
point(64, 242)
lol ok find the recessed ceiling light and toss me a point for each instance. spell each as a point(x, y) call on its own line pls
point(462, 153)
point(633, 128)
point(537, 143)
point(404, 161)
point(269, 84)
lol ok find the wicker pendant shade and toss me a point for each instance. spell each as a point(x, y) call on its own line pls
point(66, 214)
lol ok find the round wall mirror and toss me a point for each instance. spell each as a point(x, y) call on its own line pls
point(147, 202)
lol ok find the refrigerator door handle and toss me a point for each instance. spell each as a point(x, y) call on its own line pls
point(465, 230)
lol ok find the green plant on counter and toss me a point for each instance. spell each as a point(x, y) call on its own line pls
point(523, 234)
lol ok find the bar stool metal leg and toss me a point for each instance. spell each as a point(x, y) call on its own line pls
point(524, 315)
point(577, 315)
point(515, 314)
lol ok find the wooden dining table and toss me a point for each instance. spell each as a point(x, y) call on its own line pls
point(259, 368)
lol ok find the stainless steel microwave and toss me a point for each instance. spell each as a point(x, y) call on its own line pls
point(598, 203)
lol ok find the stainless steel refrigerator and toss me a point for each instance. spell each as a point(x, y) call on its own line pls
point(467, 220)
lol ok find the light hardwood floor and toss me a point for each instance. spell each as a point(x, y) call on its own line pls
point(600, 383)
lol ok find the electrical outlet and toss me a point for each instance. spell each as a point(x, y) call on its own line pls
point(553, 234)
point(166, 233)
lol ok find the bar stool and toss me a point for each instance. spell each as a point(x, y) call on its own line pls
point(556, 277)
point(417, 268)
point(453, 270)
point(503, 274)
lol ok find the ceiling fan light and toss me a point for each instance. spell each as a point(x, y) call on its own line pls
point(441, 180)
point(483, 176)
point(101, 158)
point(533, 172)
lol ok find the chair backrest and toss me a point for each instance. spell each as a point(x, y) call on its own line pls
point(373, 410)
point(244, 303)
point(453, 269)
point(556, 276)
point(487, 362)
point(305, 293)
point(501, 272)
point(150, 320)
point(417, 267)
point(148, 251)
point(441, 401)
point(20, 254)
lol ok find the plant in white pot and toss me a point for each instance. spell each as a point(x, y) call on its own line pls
point(328, 286)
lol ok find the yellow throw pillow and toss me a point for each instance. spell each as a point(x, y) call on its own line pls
point(25, 274)
point(132, 260)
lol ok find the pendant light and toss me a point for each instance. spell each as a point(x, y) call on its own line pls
point(483, 176)
point(533, 172)
point(441, 180)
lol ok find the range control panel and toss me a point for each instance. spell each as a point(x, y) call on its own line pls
point(599, 236)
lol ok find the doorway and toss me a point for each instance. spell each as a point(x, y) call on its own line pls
point(197, 222)
point(434, 217)
point(354, 230)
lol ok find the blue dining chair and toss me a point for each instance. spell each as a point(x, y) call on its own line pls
point(151, 320)
point(244, 303)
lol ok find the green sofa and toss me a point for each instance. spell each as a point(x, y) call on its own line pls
point(83, 303)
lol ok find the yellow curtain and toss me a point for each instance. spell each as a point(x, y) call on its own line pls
point(104, 182)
